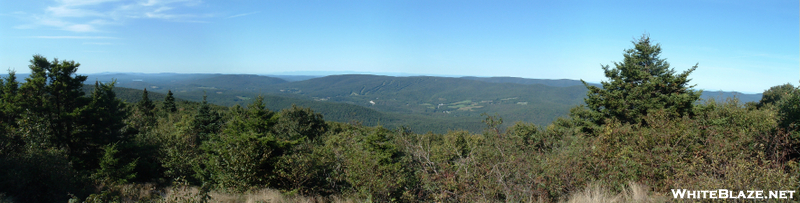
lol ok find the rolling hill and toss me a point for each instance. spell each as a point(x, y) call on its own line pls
point(528, 81)
point(332, 111)
point(717, 95)
point(423, 103)
point(441, 96)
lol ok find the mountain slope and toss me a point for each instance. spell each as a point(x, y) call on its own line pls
point(528, 81)
point(717, 95)
point(441, 96)
point(331, 111)
point(422, 103)
point(235, 82)
point(723, 95)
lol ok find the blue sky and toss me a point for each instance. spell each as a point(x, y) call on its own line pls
point(745, 46)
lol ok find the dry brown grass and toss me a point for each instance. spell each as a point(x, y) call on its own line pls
point(595, 193)
point(147, 193)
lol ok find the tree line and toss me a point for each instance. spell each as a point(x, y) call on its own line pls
point(645, 125)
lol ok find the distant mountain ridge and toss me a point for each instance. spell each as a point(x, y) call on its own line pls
point(529, 81)
point(724, 95)
point(441, 97)
point(716, 95)
point(188, 82)
point(424, 103)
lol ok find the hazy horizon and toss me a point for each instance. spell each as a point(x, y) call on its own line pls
point(315, 74)
point(740, 46)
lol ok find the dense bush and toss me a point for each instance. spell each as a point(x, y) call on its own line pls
point(40, 176)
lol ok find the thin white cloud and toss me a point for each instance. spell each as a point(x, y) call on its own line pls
point(64, 11)
point(243, 14)
point(103, 22)
point(49, 21)
point(73, 37)
point(97, 43)
point(82, 2)
point(83, 16)
point(150, 3)
point(80, 28)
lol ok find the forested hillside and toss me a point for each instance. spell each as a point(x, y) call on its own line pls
point(441, 97)
point(527, 81)
point(707, 94)
point(424, 104)
point(645, 127)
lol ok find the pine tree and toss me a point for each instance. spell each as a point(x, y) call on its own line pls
point(169, 103)
point(101, 123)
point(642, 83)
point(50, 97)
point(298, 123)
point(206, 122)
point(55, 113)
point(145, 105)
point(9, 106)
point(110, 169)
point(9, 112)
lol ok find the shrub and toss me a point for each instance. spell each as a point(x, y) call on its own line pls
point(40, 176)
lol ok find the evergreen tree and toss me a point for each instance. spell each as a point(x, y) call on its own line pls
point(145, 105)
point(9, 112)
point(57, 114)
point(642, 83)
point(206, 122)
point(169, 103)
point(246, 151)
point(9, 109)
point(256, 118)
point(50, 96)
point(143, 117)
point(101, 122)
point(299, 123)
point(111, 170)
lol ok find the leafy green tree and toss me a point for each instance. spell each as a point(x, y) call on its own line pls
point(787, 99)
point(63, 131)
point(50, 96)
point(58, 115)
point(300, 123)
point(169, 102)
point(774, 94)
point(244, 154)
point(374, 164)
point(641, 84)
